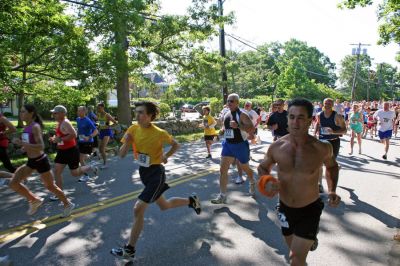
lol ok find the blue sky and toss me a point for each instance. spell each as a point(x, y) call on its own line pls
point(318, 22)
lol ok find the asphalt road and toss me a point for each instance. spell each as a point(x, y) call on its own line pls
point(243, 232)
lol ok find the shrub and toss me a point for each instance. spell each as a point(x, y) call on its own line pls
point(164, 110)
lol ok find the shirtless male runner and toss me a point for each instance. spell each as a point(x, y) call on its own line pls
point(299, 157)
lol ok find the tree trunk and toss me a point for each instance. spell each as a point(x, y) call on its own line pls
point(21, 95)
point(121, 64)
point(20, 103)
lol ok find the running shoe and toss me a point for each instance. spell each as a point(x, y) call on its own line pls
point(209, 156)
point(34, 206)
point(84, 178)
point(384, 156)
point(252, 189)
point(53, 198)
point(123, 252)
point(67, 210)
point(194, 202)
point(220, 199)
point(239, 180)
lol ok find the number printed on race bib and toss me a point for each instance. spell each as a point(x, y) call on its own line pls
point(82, 137)
point(282, 220)
point(229, 134)
point(325, 130)
point(143, 160)
point(25, 137)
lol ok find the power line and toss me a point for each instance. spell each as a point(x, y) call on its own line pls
point(241, 40)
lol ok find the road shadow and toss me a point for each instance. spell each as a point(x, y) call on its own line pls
point(264, 229)
point(364, 207)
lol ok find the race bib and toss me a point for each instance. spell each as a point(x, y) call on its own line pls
point(325, 130)
point(143, 160)
point(81, 137)
point(60, 142)
point(205, 123)
point(25, 137)
point(102, 123)
point(229, 134)
point(282, 220)
point(385, 120)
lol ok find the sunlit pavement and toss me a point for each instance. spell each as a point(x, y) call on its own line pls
point(243, 232)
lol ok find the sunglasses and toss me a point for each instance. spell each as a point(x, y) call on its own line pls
point(231, 101)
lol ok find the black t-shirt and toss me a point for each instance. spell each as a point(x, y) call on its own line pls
point(281, 120)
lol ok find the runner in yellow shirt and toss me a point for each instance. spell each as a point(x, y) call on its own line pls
point(147, 141)
point(209, 124)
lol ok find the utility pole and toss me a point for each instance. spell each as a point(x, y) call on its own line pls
point(224, 75)
point(380, 81)
point(356, 51)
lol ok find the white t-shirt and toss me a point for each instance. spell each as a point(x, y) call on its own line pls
point(263, 115)
point(338, 108)
point(253, 116)
point(385, 119)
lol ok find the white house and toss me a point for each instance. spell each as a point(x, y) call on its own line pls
point(9, 107)
point(155, 78)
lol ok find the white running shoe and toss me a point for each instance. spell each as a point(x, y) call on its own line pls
point(54, 198)
point(220, 199)
point(239, 180)
point(67, 210)
point(34, 206)
point(84, 178)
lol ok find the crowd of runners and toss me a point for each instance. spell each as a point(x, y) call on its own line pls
point(306, 139)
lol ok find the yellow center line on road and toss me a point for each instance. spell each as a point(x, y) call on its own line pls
point(18, 231)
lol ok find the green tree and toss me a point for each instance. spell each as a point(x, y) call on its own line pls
point(316, 65)
point(39, 42)
point(134, 36)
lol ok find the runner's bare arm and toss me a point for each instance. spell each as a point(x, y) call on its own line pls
point(246, 123)
point(4, 174)
point(265, 167)
point(110, 118)
point(10, 127)
point(172, 150)
point(128, 140)
point(339, 121)
point(317, 126)
point(68, 130)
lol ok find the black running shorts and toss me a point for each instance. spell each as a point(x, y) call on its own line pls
point(302, 222)
point(153, 179)
point(41, 164)
point(209, 137)
point(335, 146)
point(69, 156)
point(85, 147)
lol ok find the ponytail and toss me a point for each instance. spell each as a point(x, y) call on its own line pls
point(36, 117)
